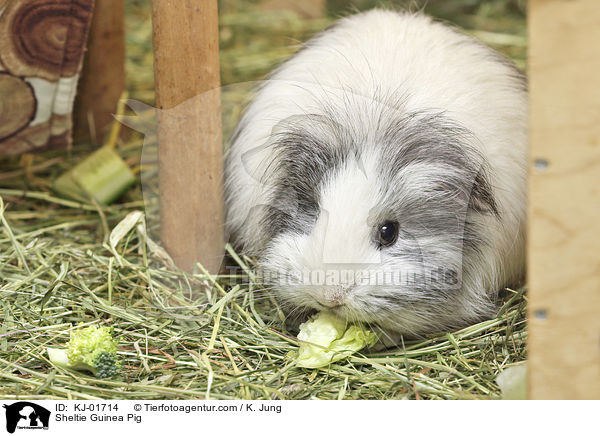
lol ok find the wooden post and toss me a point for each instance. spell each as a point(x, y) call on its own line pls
point(564, 199)
point(190, 151)
point(103, 75)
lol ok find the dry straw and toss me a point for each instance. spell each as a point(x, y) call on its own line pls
point(192, 336)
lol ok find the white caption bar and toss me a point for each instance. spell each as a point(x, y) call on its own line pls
point(89, 418)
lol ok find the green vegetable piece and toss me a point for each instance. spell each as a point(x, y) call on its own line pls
point(513, 382)
point(91, 349)
point(102, 175)
point(326, 338)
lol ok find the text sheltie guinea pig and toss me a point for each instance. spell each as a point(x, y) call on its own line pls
point(380, 173)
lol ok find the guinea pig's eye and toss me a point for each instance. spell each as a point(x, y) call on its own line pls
point(387, 233)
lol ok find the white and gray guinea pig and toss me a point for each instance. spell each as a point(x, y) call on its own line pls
point(380, 173)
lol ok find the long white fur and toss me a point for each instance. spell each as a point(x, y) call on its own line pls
point(436, 69)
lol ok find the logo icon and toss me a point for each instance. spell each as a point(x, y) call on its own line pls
point(26, 415)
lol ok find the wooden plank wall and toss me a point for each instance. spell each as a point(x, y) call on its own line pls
point(564, 199)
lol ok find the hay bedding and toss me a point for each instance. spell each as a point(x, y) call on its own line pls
point(190, 336)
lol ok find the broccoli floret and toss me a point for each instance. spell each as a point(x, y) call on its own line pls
point(90, 349)
point(107, 365)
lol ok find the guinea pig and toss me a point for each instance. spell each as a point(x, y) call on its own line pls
point(380, 173)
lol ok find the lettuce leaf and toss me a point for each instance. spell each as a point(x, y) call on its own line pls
point(326, 338)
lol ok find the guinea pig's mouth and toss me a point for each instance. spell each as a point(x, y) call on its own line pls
point(331, 307)
point(342, 310)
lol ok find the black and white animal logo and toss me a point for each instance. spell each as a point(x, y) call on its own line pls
point(26, 415)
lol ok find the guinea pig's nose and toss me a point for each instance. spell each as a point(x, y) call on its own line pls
point(334, 296)
point(331, 302)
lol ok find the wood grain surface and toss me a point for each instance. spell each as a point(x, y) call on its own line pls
point(564, 199)
point(190, 152)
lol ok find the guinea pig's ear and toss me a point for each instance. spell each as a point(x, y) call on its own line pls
point(284, 126)
point(455, 191)
point(478, 197)
point(255, 161)
point(258, 161)
point(462, 195)
point(482, 198)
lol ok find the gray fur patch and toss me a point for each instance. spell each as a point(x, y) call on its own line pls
point(309, 150)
